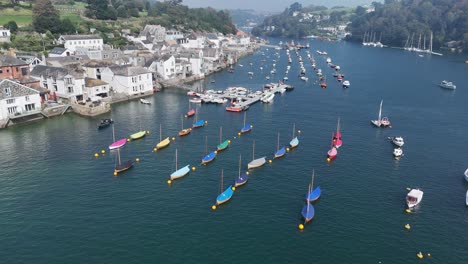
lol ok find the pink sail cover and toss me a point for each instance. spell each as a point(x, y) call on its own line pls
point(118, 143)
point(332, 152)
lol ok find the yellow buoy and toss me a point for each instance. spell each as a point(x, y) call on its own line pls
point(173, 138)
point(128, 140)
point(147, 131)
point(115, 173)
point(155, 149)
point(239, 133)
point(328, 159)
point(206, 122)
point(103, 152)
point(251, 126)
point(229, 141)
point(216, 152)
point(420, 255)
point(298, 131)
point(96, 155)
point(185, 116)
point(270, 161)
point(407, 226)
point(301, 226)
point(137, 159)
point(428, 255)
point(213, 207)
point(233, 188)
point(193, 168)
point(287, 149)
point(169, 181)
point(247, 173)
point(408, 211)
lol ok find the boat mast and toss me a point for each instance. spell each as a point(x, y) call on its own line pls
point(277, 146)
point(430, 45)
point(220, 134)
point(380, 111)
point(424, 43)
point(118, 155)
point(221, 186)
point(312, 181)
point(113, 133)
point(245, 115)
point(176, 159)
point(240, 155)
point(338, 127)
point(206, 145)
point(160, 132)
point(253, 150)
point(294, 129)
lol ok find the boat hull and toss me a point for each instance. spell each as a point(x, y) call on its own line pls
point(225, 196)
point(223, 145)
point(163, 143)
point(246, 129)
point(256, 163)
point(280, 153)
point(198, 124)
point(308, 212)
point(294, 142)
point(241, 180)
point(185, 132)
point(124, 166)
point(466, 175)
point(138, 135)
point(209, 158)
point(314, 195)
point(118, 144)
point(180, 172)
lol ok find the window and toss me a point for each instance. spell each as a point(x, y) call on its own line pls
point(106, 56)
point(27, 98)
point(17, 69)
point(70, 89)
point(68, 81)
point(24, 71)
point(135, 89)
point(55, 87)
point(134, 79)
point(10, 101)
point(139, 77)
point(30, 107)
point(97, 89)
point(12, 110)
point(7, 70)
point(1, 70)
point(7, 91)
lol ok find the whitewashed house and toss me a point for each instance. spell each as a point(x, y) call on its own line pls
point(128, 80)
point(17, 100)
point(153, 33)
point(195, 41)
point(195, 58)
point(65, 83)
point(165, 66)
point(72, 42)
point(173, 34)
point(33, 61)
point(95, 88)
point(93, 69)
point(60, 52)
point(5, 35)
point(213, 40)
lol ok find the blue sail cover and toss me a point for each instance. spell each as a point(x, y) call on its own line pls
point(225, 196)
point(241, 180)
point(208, 158)
point(308, 214)
point(199, 123)
point(280, 152)
point(246, 128)
point(314, 195)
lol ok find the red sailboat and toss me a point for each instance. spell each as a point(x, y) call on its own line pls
point(337, 142)
point(333, 152)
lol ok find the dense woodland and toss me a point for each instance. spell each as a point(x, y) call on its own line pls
point(396, 21)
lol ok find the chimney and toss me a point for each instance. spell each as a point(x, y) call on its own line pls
point(11, 51)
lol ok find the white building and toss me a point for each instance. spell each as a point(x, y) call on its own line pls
point(65, 83)
point(4, 35)
point(165, 66)
point(129, 80)
point(17, 100)
point(72, 42)
point(154, 33)
point(95, 88)
point(195, 58)
point(173, 34)
point(194, 41)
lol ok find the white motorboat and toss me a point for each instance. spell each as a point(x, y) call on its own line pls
point(346, 84)
point(397, 152)
point(285, 78)
point(268, 97)
point(283, 90)
point(143, 101)
point(414, 197)
point(195, 100)
point(250, 73)
point(448, 85)
point(328, 60)
point(304, 78)
point(466, 175)
point(398, 141)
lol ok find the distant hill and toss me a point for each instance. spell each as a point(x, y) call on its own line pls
point(246, 18)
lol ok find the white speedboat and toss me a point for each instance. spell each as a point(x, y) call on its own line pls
point(414, 197)
point(398, 141)
point(143, 101)
point(268, 97)
point(346, 84)
point(466, 175)
point(195, 100)
point(397, 152)
point(447, 85)
point(304, 78)
point(250, 73)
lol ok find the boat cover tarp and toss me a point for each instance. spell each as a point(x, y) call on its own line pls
point(314, 195)
point(308, 212)
point(180, 172)
point(225, 196)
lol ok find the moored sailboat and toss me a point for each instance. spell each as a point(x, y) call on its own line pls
point(162, 143)
point(241, 179)
point(119, 167)
point(247, 127)
point(294, 141)
point(381, 121)
point(138, 135)
point(116, 144)
point(279, 151)
point(337, 142)
point(333, 152)
point(255, 163)
point(184, 131)
point(222, 144)
point(313, 194)
point(179, 173)
point(225, 195)
point(198, 123)
point(209, 157)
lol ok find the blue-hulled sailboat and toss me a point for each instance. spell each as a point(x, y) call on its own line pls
point(313, 194)
point(179, 173)
point(247, 127)
point(279, 151)
point(241, 179)
point(294, 142)
point(209, 157)
point(198, 123)
point(225, 195)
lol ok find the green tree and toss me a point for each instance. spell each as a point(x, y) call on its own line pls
point(45, 17)
point(122, 11)
point(67, 26)
point(12, 26)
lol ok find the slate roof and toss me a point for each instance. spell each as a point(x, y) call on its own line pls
point(6, 60)
point(54, 72)
point(126, 70)
point(16, 89)
point(57, 51)
point(91, 82)
point(80, 37)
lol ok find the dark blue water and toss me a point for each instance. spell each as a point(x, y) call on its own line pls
point(58, 204)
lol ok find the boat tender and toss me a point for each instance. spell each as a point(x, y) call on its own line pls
point(414, 197)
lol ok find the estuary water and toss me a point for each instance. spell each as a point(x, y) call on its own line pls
point(59, 204)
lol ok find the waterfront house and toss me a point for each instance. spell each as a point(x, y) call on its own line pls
point(95, 88)
point(17, 101)
point(165, 66)
point(195, 41)
point(72, 42)
point(195, 58)
point(66, 83)
point(94, 68)
point(213, 40)
point(5, 35)
point(128, 80)
point(60, 52)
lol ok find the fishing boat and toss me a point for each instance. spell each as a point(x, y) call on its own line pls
point(255, 163)
point(222, 144)
point(105, 123)
point(241, 179)
point(279, 151)
point(179, 173)
point(198, 123)
point(381, 121)
point(294, 141)
point(466, 175)
point(225, 195)
point(247, 127)
point(447, 85)
point(209, 157)
point(119, 167)
point(398, 141)
point(337, 142)
point(184, 131)
point(117, 144)
point(313, 194)
point(414, 197)
point(143, 101)
point(397, 152)
point(333, 152)
point(162, 143)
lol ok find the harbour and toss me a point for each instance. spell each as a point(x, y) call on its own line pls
point(52, 187)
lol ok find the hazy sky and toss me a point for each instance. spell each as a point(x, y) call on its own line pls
point(269, 5)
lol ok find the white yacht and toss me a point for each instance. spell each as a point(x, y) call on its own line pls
point(414, 197)
point(268, 97)
point(447, 85)
point(397, 152)
point(398, 141)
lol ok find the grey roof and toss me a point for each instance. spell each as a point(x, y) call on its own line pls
point(209, 52)
point(6, 60)
point(212, 36)
point(54, 72)
point(98, 64)
point(126, 70)
point(80, 37)
point(57, 50)
point(91, 82)
point(16, 89)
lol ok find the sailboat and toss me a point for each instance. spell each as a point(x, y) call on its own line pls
point(382, 121)
point(122, 166)
point(190, 112)
point(313, 194)
point(279, 151)
point(198, 123)
point(117, 144)
point(179, 173)
point(209, 157)
point(222, 145)
point(225, 195)
point(247, 127)
point(255, 163)
point(138, 134)
point(184, 131)
point(308, 211)
point(241, 179)
point(337, 142)
point(162, 143)
point(294, 142)
point(333, 152)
